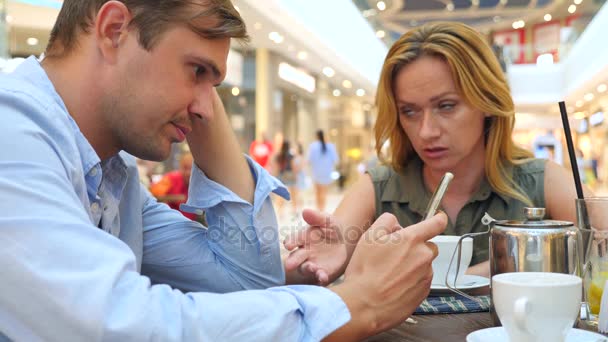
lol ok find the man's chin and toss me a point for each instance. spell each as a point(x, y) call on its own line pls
point(148, 153)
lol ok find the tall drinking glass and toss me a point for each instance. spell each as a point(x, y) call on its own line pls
point(592, 219)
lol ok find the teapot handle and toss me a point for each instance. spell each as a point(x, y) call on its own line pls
point(458, 250)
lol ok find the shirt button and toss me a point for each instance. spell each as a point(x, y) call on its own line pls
point(93, 172)
point(94, 207)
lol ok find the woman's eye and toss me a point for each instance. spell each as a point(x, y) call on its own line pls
point(407, 111)
point(447, 106)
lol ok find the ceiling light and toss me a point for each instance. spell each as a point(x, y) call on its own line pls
point(588, 97)
point(236, 91)
point(579, 103)
point(572, 9)
point(381, 5)
point(578, 2)
point(579, 115)
point(337, 92)
point(601, 88)
point(9, 18)
point(518, 24)
point(257, 26)
point(449, 6)
point(329, 72)
point(276, 37)
point(360, 92)
point(380, 34)
point(302, 55)
point(31, 41)
point(548, 17)
point(347, 84)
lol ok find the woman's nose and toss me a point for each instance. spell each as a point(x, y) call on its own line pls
point(429, 127)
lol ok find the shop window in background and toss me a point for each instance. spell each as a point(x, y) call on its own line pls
point(546, 39)
point(512, 44)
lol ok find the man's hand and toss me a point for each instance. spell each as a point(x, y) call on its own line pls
point(318, 253)
point(388, 276)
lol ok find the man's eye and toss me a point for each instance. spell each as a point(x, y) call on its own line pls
point(199, 70)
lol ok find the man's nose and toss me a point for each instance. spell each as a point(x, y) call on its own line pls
point(202, 102)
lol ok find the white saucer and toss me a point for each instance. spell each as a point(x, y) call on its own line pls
point(466, 282)
point(499, 334)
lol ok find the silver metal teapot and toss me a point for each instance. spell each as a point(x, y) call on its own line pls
point(531, 245)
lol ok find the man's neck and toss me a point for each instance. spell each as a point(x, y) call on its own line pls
point(77, 84)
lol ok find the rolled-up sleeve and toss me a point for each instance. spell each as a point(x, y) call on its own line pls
point(238, 250)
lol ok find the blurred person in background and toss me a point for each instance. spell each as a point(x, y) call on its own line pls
point(445, 106)
point(302, 181)
point(172, 188)
point(284, 168)
point(88, 254)
point(261, 150)
point(322, 159)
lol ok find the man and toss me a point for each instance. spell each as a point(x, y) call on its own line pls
point(88, 254)
point(172, 188)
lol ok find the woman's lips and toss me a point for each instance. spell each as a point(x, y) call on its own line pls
point(435, 152)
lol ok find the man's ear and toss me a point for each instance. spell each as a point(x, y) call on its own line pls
point(112, 28)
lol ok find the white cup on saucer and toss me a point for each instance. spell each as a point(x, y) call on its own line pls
point(446, 244)
point(537, 306)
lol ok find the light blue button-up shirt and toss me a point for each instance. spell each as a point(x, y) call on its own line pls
point(87, 254)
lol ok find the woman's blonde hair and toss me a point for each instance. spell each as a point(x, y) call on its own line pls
point(480, 80)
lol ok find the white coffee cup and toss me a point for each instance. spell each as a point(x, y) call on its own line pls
point(446, 244)
point(537, 306)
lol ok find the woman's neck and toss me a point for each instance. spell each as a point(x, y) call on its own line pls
point(467, 178)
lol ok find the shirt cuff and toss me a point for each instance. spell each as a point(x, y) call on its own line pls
point(323, 311)
point(204, 193)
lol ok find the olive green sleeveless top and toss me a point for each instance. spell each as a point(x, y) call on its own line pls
point(405, 196)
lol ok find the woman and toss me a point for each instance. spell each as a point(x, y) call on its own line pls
point(443, 105)
point(322, 158)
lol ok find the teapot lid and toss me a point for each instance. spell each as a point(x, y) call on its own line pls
point(534, 219)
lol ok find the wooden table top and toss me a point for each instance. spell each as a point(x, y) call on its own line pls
point(439, 327)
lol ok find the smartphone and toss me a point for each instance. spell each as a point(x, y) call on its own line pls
point(431, 209)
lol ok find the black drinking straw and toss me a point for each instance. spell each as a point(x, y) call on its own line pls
point(571, 153)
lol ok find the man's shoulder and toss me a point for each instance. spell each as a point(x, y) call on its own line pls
point(13, 83)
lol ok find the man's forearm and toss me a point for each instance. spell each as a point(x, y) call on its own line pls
point(216, 152)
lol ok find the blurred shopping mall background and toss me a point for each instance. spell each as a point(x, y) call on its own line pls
point(314, 64)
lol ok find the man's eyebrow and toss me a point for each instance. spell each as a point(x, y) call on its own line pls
point(211, 65)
